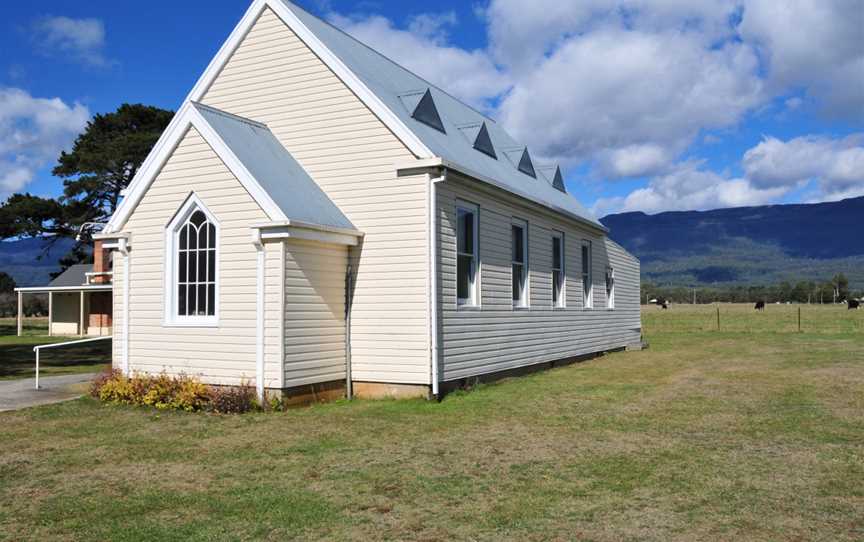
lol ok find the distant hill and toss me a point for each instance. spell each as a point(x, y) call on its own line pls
point(747, 245)
point(30, 262)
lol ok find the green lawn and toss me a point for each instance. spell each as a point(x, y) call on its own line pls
point(753, 434)
point(18, 361)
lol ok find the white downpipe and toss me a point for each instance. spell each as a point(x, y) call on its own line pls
point(433, 278)
point(123, 247)
point(259, 316)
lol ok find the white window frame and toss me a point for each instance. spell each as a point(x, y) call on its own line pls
point(587, 278)
point(561, 301)
point(610, 292)
point(524, 300)
point(172, 318)
point(474, 299)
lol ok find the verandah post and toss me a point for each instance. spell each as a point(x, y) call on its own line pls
point(20, 312)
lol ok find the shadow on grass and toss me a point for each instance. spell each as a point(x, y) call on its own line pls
point(17, 359)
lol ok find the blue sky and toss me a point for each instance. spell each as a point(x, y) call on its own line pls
point(648, 105)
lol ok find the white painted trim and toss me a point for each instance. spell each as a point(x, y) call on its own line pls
point(349, 78)
point(475, 300)
point(562, 302)
point(259, 313)
point(46, 289)
point(438, 162)
point(294, 232)
point(587, 301)
point(170, 317)
point(307, 226)
point(188, 117)
point(610, 294)
point(524, 301)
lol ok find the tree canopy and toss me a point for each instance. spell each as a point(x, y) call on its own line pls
point(103, 161)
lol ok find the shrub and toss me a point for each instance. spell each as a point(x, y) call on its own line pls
point(101, 379)
point(232, 400)
point(163, 392)
point(191, 395)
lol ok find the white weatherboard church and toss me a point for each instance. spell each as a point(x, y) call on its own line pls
point(316, 216)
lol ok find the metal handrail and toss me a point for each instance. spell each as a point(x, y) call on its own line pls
point(58, 345)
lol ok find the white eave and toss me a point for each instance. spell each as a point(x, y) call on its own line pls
point(441, 163)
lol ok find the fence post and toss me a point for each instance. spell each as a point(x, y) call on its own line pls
point(799, 319)
point(37, 368)
point(718, 318)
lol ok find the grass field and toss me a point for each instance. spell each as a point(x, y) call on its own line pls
point(754, 432)
point(17, 359)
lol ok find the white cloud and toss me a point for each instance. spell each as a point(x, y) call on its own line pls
point(814, 44)
point(829, 169)
point(630, 90)
point(836, 165)
point(81, 39)
point(423, 49)
point(33, 131)
point(689, 187)
point(629, 86)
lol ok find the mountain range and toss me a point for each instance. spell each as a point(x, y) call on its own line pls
point(746, 245)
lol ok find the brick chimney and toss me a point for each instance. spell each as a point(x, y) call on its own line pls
point(101, 264)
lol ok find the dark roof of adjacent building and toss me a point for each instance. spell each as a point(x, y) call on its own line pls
point(74, 276)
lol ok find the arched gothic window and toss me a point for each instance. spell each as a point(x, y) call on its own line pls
point(192, 285)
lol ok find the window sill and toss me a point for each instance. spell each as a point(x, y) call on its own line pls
point(559, 308)
point(468, 308)
point(521, 308)
point(192, 324)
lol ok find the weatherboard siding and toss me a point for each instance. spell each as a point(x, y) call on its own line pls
point(496, 336)
point(274, 78)
point(314, 336)
point(221, 355)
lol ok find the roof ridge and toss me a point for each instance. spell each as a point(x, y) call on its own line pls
point(230, 115)
point(388, 59)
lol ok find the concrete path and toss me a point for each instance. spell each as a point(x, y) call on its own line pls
point(18, 394)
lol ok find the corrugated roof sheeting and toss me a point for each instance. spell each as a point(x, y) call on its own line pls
point(394, 84)
point(273, 167)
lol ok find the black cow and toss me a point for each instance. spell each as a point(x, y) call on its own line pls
point(760, 306)
point(854, 304)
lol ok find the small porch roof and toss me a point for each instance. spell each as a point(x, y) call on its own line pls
point(73, 279)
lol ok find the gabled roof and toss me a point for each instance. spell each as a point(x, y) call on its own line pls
point(285, 181)
point(388, 81)
point(76, 275)
point(282, 188)
point(392, 93)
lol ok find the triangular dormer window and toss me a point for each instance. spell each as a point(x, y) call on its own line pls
point(427, 113)
point(483, 143)
point(526, 166)
point(558, 182)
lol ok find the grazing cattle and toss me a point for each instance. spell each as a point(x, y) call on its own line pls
point(665, 306)
point(760, 306)
point(854, 304)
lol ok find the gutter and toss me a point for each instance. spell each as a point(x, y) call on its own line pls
point(438, 162)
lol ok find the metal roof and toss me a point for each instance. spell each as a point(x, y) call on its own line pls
point(273, 167)
point(399, 89)
point(74, 276)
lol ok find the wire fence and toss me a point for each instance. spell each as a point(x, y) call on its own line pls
point(740, 318)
